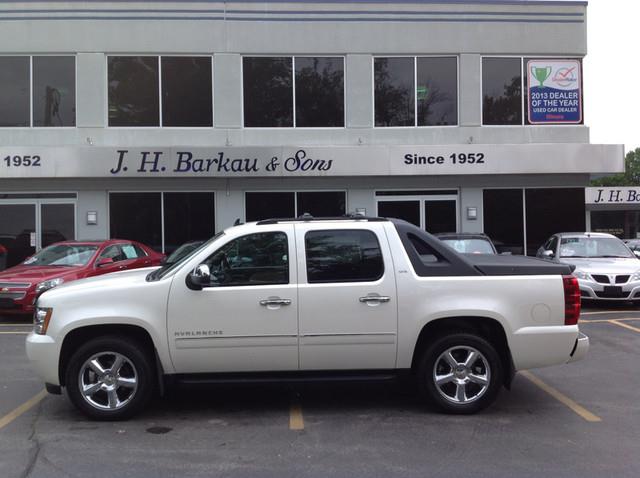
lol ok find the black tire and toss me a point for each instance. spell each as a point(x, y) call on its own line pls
point(488, 365)
point(137, 366)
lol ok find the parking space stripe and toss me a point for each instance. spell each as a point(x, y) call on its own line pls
point(622, 324)
point(16, 325)
point(600, 312)
point(296, 422)
point(600, 321)
point(26, 406)
point(562, 398)
point(14, 332)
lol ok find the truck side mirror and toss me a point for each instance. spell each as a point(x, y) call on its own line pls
point(199, 277)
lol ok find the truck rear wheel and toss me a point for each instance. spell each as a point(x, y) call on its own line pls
point(460, 373)
point(109, 378)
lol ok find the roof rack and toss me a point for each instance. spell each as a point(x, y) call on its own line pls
point(310, 218)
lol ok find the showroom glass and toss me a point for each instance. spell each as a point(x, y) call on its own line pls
point(624, 224)
point(502, 91)
point(503, 219)
point(437, 91)
point(54, 91)
point(394, 91)
point(406, 210)
point(14, 91)
point(186, 91)
point(550, 210)
point(268, 91)
point(133, 91)
point(319, 94)
point(343, 256)
point(267, 205)
point(136, 216)
point(57, 223)
point(255, 259)
point(188, 216)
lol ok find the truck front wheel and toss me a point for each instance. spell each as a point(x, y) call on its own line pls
point(109, 378)
point(460, 373)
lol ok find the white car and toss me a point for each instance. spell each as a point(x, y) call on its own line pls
point(308, 298)
point(605, 267)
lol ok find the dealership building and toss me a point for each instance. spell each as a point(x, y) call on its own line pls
point(167, 121)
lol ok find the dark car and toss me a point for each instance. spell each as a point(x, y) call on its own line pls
point(468, 242)
point(67, 261)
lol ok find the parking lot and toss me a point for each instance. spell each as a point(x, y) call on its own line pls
point(581, 419)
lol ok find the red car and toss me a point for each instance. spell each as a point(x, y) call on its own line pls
point(67, 261)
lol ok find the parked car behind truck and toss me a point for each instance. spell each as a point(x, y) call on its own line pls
point(309, 298)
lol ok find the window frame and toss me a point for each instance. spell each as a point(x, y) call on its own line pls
point(367, 281)
point(295, 197)
point(162, 192)
point(160, 119)
point(523, 105)
point(30, 86)
point(293, 87)
point(415, 90)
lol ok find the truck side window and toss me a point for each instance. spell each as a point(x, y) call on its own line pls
point(254, 259)
point(343, 256)
point(427, 254)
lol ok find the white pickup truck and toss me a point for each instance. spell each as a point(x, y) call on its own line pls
point(301, 299)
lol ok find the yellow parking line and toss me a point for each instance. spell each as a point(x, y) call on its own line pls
point(296, 422)
point(600, 312)
point(599, 321)
point(626, 326)
point(14, 332)
point(26, 406)
point(16, 325)
point(562, 398)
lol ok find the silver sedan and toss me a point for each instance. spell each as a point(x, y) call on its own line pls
point(605, 267)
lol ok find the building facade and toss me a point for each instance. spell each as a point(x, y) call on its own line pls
point(167, 121)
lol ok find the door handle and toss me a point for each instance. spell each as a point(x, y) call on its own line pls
point(266, 302)
point(374, 298)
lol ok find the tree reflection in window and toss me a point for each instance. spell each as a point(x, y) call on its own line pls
point(394, 92)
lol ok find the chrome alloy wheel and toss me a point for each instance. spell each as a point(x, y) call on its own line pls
point(108, 380)
point(461, 374)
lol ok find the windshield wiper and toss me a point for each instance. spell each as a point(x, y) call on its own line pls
point(619, 257)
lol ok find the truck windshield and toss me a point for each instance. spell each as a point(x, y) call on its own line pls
point(167, 268)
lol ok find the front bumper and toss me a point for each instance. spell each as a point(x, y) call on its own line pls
point(580, 349)
point(43, 353)
point(592, 290)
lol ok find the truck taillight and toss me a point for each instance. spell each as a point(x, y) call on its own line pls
point(571, 300)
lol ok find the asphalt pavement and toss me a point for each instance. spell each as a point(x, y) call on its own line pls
point(580, 419)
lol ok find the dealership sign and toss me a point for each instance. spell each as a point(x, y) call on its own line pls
point(620, 195)
point(283, 161)
point(555, 91)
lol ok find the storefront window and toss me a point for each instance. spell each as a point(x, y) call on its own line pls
point(394, 86)
point(54, 91)
point(437, 91)
point(623, 224)
point(503, 219)
point(187, 217)
point(319, 92)
point(502, 91)
point(268, 92)
point(552, 210)
point(267, 205)
point(137, 217)
point(133, 91)
point(186, 91)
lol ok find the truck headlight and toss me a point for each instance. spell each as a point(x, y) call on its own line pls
point(581, 274)
point(48, 284)
point(41, 318)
